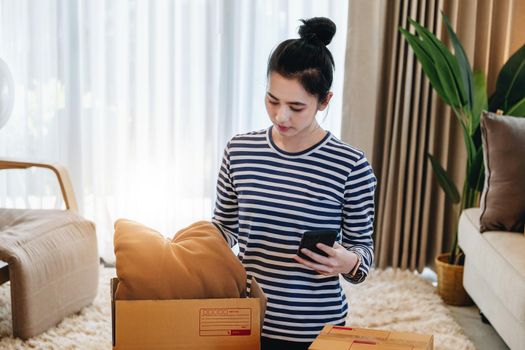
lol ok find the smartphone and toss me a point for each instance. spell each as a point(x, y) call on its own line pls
point(311, 238)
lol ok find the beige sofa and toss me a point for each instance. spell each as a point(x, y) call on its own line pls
point(494, 276)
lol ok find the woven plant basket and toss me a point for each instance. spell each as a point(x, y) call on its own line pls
point(450, 282)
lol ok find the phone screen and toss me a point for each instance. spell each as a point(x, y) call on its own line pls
point(311, 238)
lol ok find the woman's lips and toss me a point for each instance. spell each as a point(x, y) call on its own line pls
point(283, 128)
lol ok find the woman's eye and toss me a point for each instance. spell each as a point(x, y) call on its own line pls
point(291, 108)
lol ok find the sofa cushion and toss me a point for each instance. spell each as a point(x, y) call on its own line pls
point(499, 256)
point(503, 198)
point(197, 263)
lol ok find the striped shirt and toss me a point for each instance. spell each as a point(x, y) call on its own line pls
point(267, 198)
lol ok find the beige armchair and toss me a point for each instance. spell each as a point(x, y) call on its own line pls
point(49, 256)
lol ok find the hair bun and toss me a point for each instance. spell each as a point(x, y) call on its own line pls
point(320, 28)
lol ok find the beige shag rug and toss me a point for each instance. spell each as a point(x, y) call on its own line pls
point(388, 299)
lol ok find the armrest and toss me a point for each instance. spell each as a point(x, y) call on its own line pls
point(60, 171)
point(4, 272)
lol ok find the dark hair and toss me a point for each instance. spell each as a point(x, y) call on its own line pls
point(307, 58)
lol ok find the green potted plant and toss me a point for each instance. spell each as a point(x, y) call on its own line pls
point(465, 91)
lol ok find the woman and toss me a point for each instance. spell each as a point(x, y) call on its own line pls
point(277, 183)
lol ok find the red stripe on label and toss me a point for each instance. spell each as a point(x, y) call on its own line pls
point(240, 332)
point(340, 327)
point(365, 342)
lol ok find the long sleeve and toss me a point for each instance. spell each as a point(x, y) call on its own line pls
point(226, 213)
point(358, 217)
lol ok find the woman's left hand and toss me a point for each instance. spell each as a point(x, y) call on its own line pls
point(339, 260)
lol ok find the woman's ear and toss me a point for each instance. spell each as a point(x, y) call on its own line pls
point(324, 103)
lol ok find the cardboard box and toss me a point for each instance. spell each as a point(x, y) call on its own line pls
point(347, 338)
point(188, 323)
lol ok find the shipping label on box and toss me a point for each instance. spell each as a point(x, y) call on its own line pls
point(233, 324)
point(349, 338)
point(225, 321)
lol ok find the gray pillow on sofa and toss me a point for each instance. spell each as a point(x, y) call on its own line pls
point(503, 198)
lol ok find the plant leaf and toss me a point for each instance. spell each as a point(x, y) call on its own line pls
point(518, 110)
point(424, 57)
point(446, 65)
point(510, 85)
point(480, 99)
point(444, 180)
point(469, 145)
point(475, 169)
point(463, 63)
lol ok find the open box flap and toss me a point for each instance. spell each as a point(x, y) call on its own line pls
point(257, 292)
point(113, 289)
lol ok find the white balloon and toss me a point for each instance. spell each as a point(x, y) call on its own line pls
point(7, 93)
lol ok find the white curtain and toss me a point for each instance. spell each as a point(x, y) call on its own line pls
point(138, 99)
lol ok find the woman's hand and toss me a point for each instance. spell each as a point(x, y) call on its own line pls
point(339, 260)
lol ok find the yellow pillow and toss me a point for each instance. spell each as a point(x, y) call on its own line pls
point(197, 263)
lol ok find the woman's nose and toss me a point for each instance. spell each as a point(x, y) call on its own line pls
point(282, 115)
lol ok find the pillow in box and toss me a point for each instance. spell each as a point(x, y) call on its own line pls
point(197, 263)
point(503, 197)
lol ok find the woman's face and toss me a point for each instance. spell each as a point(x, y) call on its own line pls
point(290, 107)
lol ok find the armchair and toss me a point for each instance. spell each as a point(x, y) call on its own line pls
point(49, 256)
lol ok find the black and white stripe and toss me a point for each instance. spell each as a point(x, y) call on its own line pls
point(267, 198)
